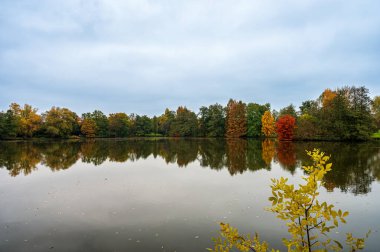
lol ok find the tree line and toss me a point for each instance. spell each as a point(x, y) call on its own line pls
point(346, 113)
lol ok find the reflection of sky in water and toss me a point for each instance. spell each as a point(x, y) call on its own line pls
point(149, 205)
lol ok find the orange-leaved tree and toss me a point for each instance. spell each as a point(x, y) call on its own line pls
point(285, 126)
point(327, 97)
point(88, 128)
point(267, 121)
point(236, 121)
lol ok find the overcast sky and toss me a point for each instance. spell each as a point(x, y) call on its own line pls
point(142, 56)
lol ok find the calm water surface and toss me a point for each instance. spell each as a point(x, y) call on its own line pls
point(167, 195)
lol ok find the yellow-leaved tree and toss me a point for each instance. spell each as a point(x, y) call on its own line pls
point(267, 122)
point(308, 220)
point(327, 97)
point(29, 122)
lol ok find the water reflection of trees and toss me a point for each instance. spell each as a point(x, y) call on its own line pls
point(268, 151)
point(94, 153)
point(19, 158)
point(59, 155)
point(356, 165)
point(212, 153)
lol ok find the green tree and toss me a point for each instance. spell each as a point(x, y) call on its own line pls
point(289, 110)
point(362, 123)
point(254, 114)
point(142, 125)
point(309, 107)
point(155, 125)
point(60, 122)
point(347, 116)
point(185, 123)
point(119, 124)
point(212, 120)
point(307, 127)
point(8, 124)
point(165, 122)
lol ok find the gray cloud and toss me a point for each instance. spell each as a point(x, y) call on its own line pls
point(143, 56)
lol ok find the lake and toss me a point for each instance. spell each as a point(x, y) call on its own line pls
point(169, 194)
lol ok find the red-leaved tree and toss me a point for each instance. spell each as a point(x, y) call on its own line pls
point(285, 126)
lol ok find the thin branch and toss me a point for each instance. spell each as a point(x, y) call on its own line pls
point(316, 225)
point(299, 221)
point(252, 249)
point(307, 231)
point(313, 243)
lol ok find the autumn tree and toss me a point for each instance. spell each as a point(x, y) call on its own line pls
point(268, 124)
point(212, 120)
point(236, 119)
point(165, 121)
point(327, 97)
point(100, 120)
point(285, 126)
point(60, 122)
point(29, 122)
point(254, 114)
point(88, 128)
point(119, 124)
